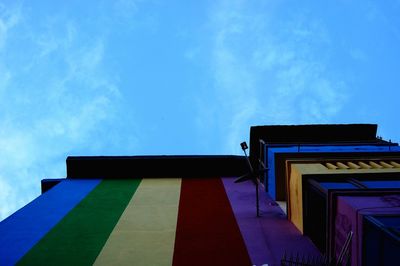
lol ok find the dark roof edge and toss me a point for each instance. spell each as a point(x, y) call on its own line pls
point(182, 166)
point(152, 157)
point(314, 133)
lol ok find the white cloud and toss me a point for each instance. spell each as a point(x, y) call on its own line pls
point(270, 70)
point(59, 99)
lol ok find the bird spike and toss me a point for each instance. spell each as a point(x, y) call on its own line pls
point(309, 259)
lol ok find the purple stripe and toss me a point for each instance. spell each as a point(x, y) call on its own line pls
point(268, 237)
point(23, 229)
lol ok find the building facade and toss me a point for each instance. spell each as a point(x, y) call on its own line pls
point(328, 195)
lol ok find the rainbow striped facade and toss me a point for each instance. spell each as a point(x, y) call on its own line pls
point(165, 221)
point(327, 192)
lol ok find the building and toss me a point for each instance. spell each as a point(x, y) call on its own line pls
point(328, 194)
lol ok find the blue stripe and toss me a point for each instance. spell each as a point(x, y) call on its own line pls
point(22, 230)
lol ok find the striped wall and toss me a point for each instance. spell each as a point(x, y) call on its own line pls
point(166, 221)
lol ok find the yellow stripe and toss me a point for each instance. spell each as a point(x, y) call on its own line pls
point(145, 233)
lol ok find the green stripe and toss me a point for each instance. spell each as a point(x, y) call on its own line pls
point(80, 236)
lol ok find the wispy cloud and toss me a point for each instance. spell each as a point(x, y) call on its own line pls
point(57, 97)
point(9, 17)
point(268, 70)
point(126, 8)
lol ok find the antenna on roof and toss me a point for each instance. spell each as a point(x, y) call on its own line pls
point(251, 175)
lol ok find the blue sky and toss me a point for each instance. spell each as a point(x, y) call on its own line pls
point(142, 77)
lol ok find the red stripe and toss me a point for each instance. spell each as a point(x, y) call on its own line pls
point(207, 232)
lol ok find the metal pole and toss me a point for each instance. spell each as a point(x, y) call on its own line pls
point(257, 200)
